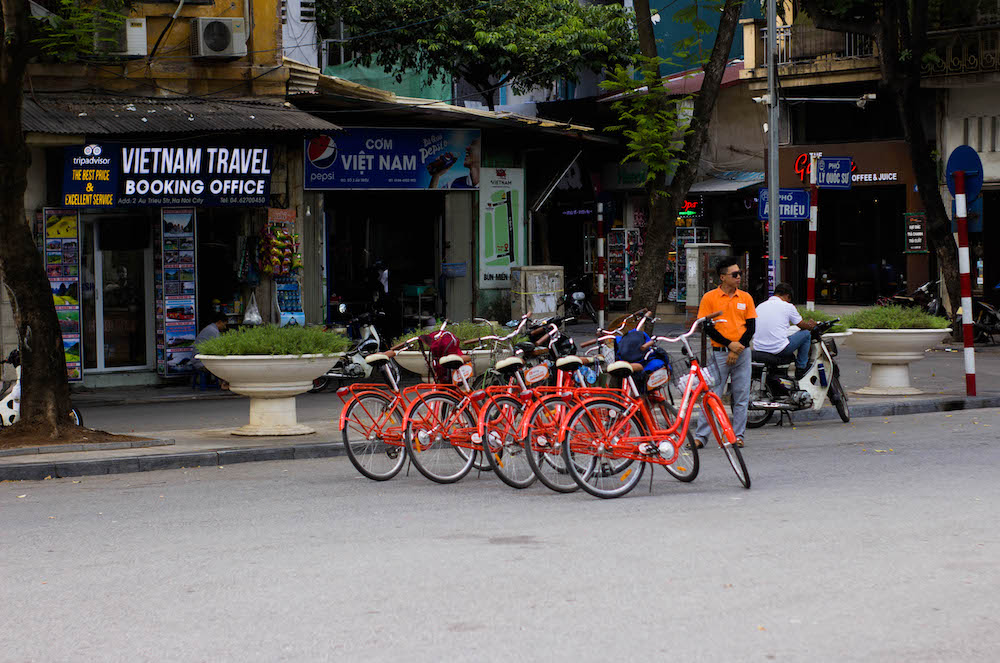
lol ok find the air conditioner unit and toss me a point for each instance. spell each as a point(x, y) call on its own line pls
point(128, 39)
point(219, 37)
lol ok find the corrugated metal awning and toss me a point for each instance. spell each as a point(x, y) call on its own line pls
point(729, 181)
point(96, 115)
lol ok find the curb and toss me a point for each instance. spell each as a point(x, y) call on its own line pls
point(52, 470)
point(124, 465)
point(99, 446)
point(84, 402)
point(889, 409)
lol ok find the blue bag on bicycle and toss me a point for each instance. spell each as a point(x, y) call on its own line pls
point(629, 348)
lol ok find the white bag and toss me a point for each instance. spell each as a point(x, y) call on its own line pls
point(252, 316)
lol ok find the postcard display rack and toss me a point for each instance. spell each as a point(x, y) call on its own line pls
point(624, 249)
point(175, 280)
point(59, 231)
point(682, 237)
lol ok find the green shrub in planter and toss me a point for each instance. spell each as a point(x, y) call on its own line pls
point(893, 317)
point(821, 316)
point(272, 340)
point(464, 331)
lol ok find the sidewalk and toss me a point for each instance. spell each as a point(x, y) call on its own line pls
point(941, 374)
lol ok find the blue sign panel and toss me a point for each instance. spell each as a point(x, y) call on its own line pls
point(966, 159)
point(833, 172)
point(793, 204)
point(374, 158)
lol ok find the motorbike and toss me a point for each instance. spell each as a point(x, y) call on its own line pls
point(576, 298)
point(10, 395)
point(774, 389)
point(352, 366)
point(925, 297)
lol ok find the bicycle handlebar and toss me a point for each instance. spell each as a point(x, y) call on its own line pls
point(683, 337)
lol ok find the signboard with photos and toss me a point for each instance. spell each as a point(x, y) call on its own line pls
point(61, 249)
point(177, 292)
point(501, 225)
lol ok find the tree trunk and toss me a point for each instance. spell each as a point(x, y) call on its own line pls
point(44, 389)
point(902, 77)
point(665, 203)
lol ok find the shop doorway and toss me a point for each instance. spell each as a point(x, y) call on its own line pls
point(117, 276)
point(859, 246)
point(402, 232)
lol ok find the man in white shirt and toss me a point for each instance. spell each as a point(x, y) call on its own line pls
point(774, 318)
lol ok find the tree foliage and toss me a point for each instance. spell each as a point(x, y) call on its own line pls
point(665, 131)
point(900, 29)
point(488, 43)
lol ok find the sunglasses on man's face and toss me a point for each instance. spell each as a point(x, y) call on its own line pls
point(735, 274)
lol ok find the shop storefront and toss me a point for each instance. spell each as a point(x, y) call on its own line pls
point(862, 250)
point(399, 206)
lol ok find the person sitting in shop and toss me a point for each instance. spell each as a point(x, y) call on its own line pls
point(219, 323)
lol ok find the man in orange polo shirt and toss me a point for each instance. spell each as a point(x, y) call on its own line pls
point(730, 340)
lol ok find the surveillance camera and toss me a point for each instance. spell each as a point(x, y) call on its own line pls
point(862, 102)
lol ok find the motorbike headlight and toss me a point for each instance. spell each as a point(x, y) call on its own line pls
point(342, 308)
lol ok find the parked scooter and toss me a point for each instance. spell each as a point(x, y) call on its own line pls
point(774, 389)
point(352, 366)
point(10, 395)
point(576, 299)
point(925, 297)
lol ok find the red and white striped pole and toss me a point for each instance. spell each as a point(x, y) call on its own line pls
point(965, 281)
point(601, 266)
point(813, 216)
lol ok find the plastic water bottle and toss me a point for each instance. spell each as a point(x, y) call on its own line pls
point(588, 374)
point(822, 374)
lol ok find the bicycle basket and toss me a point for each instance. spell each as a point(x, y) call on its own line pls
point(681, 379)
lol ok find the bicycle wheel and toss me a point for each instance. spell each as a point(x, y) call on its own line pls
point(431, 422)
point(319, 384)
point(685, 468)
point(718, 420)
point(542, 445)
point(757, 418)
point(591, 446)
point(369, 416)
point(76, 417)
point(839, 400)
point(502, 444)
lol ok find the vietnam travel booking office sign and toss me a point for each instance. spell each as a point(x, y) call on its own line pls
point(374, 158)
point(132, 175)
point(501, 226)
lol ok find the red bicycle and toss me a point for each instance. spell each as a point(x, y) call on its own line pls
point(607, 431)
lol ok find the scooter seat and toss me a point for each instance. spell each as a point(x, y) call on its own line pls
point(761, 357)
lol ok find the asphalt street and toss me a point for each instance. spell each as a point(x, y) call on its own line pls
point(872, 541)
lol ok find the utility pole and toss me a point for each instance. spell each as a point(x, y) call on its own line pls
point(773, 217)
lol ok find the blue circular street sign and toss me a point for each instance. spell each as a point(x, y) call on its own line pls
point(965, 158)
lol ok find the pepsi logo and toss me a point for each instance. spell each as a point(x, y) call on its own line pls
point(322, 151)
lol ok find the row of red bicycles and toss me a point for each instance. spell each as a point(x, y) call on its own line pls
point(544, 421)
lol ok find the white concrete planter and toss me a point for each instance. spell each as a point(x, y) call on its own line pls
point(890, 352)
point(271, 382)
point(413, 361)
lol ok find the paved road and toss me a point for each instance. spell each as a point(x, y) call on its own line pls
point(875, 541)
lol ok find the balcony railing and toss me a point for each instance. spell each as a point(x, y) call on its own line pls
point(964, 51)
point(803, 43)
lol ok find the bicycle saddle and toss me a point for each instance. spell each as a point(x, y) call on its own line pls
point(451, 361)
point(509, 365)
point(569, 363)
point(621, 369)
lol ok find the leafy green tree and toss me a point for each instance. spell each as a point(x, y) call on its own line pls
point(45, 403)
point(488, 43)
point(899, 28)
point(668, 133)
